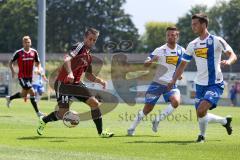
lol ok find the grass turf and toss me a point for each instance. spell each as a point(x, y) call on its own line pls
point(175, 139)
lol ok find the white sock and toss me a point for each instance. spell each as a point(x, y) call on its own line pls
point(203, 125)
point(211, 118)
point(167, 111)
point(137, 120)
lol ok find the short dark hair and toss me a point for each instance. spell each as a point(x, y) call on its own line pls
point(171, 28)
point(203, 18)
point(92, 31)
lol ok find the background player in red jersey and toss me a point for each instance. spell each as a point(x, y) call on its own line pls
point(26, 57)
point(69, 85)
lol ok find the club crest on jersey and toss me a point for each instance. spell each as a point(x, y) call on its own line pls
point(172, 60)
point(179, 51)
point(209, 41)
point(201, 52)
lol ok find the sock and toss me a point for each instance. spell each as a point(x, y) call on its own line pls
point(211, 118)
point(51, 117)
point(167, 111)
point(137, 120)
point(15, 96)
point(34, 103)
point(203, 125)
point(97, 119)
point(38, 97)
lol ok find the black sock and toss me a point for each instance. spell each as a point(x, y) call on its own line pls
point(34, 103)
point(97, 118)
point(15, 96)
point(51, 117)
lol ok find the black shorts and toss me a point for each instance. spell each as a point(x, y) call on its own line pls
point(66, 92)
point(26, 83)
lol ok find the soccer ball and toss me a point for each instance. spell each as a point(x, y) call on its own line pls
point(71, 119)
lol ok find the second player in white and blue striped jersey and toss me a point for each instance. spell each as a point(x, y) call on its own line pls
point(207, 54)
point(167, 58)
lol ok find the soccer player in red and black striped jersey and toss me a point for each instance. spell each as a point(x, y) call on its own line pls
point(69, 85)
point(26, 58)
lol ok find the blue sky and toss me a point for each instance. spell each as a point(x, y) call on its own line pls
point(143, 11)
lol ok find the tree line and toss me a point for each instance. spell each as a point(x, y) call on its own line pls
point(224, 21)
point(66, 21)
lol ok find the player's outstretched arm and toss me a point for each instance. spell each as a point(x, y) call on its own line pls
point(149, 61)
point(178, 73)
point(91, 77)
point(12, 69)
point(232, 58)
point(67, 66)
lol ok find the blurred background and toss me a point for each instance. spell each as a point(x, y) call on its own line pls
point(129, 31)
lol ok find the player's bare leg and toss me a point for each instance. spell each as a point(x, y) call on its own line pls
point(147, 109)
point(97, 117)
point(204, 118)
point(14, 96)
point(33, 102)
point(174, 103)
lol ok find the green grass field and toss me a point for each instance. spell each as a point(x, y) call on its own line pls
point(175, 139)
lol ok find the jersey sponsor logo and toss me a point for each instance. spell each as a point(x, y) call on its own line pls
point(201, 52)
point(172, 60)
point(27, 59)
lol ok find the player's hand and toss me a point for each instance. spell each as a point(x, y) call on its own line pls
point(70, 78)
point(225, 63)
point(170, 85)
point(46, 80)
point(180, 78)
point(38, 72)
point(103, 83)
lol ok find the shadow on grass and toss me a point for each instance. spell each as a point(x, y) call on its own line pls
point(58, 141)
point(164, 142)
point(170, 142)
point(137, 136)
point(52, 139)
point(5, 116)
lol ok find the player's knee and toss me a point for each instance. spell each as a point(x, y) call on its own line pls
point(175, 103)
point(147, 109)
point(203, 108)
point(201, 112)
point(93, 102)
point(24, 94)
point(60, 113)
point(31, 92)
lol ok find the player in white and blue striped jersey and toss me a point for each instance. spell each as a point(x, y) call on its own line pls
point(167, 57)
point(207, 50)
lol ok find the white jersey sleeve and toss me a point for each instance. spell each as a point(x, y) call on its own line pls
point(223, 45)
point(155, 53)
point(188, 54)
point(75, 51)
